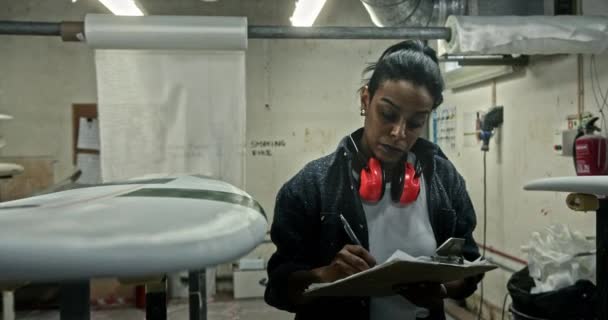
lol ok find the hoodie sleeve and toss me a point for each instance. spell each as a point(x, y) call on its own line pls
point(292, 232)
point(465, 224)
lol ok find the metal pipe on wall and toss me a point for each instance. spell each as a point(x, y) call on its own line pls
point(69, 31)
point(422, 33)
point(503, 254)
point(500, 265)
point(30, 28)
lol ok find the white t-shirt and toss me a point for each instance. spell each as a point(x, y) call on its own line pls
point(394, 227)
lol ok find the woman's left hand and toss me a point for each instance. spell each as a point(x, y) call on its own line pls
point(426, 295)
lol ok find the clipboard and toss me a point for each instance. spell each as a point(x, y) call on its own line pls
point(399, 270)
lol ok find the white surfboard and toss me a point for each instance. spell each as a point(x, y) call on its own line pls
point(131, 229)
point(597, 185)
point(8, 170)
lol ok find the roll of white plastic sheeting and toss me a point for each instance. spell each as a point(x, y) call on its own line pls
point(165, 32)
point(527, 34)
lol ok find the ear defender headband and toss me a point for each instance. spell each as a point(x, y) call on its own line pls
point(405, 184)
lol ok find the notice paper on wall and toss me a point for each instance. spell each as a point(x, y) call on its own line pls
point(88, 134)
point(90, 168)
point(444, 127)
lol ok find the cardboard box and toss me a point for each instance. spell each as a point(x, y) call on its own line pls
point(251, 264)
point(250, 283)
point(108, 291)
point(38, 175)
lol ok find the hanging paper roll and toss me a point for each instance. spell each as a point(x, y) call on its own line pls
point(165, 32)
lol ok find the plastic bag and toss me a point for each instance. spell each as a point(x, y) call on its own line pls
point(559, 257)
point(575, 302)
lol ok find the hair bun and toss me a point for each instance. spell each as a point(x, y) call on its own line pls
point(411, 45)
point(409, 60)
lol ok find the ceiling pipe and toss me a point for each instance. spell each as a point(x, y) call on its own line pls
point(419, 13)
point(75, 31)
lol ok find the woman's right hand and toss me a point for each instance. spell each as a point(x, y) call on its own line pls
point(348, 261)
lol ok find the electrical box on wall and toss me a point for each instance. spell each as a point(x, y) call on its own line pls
point(564, 142)
point(563, 137)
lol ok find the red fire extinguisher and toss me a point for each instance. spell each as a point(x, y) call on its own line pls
point(590, 151)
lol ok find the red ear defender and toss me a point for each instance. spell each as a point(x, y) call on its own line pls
point(371, 187)
point(405, 187)
point(411, 188)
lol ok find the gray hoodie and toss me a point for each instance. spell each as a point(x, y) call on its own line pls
point(308, 233)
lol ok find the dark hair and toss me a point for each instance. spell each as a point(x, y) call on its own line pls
point(410, 60)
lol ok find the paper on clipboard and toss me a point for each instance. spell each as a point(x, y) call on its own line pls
point(399, 269)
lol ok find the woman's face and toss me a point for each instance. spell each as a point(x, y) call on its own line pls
point(394, 119)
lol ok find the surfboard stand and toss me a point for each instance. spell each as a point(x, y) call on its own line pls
point(601, 269)
point(197, 297)
point(156, 300)
point(74, 299)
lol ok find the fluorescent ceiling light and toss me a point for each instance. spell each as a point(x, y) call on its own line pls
point(122, 7)
point(306, 12)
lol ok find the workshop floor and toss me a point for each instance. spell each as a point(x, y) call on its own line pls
point(248, 309)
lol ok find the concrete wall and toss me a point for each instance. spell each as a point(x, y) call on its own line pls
point(290, 85)
point(302, 94)
point(536, 102)
point(40, 79)
point(43, 76)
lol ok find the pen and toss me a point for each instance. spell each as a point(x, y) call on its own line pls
point(349, 231)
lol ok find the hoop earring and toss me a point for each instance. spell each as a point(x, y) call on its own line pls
point(362, 112)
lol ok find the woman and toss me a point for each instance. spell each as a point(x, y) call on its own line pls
point(398, 192)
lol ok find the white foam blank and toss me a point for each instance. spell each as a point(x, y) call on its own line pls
point(597, 185)
point(97, 232)
point(104, 31)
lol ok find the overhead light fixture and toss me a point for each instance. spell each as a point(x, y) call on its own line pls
point(306, 12)
point(122, 7)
